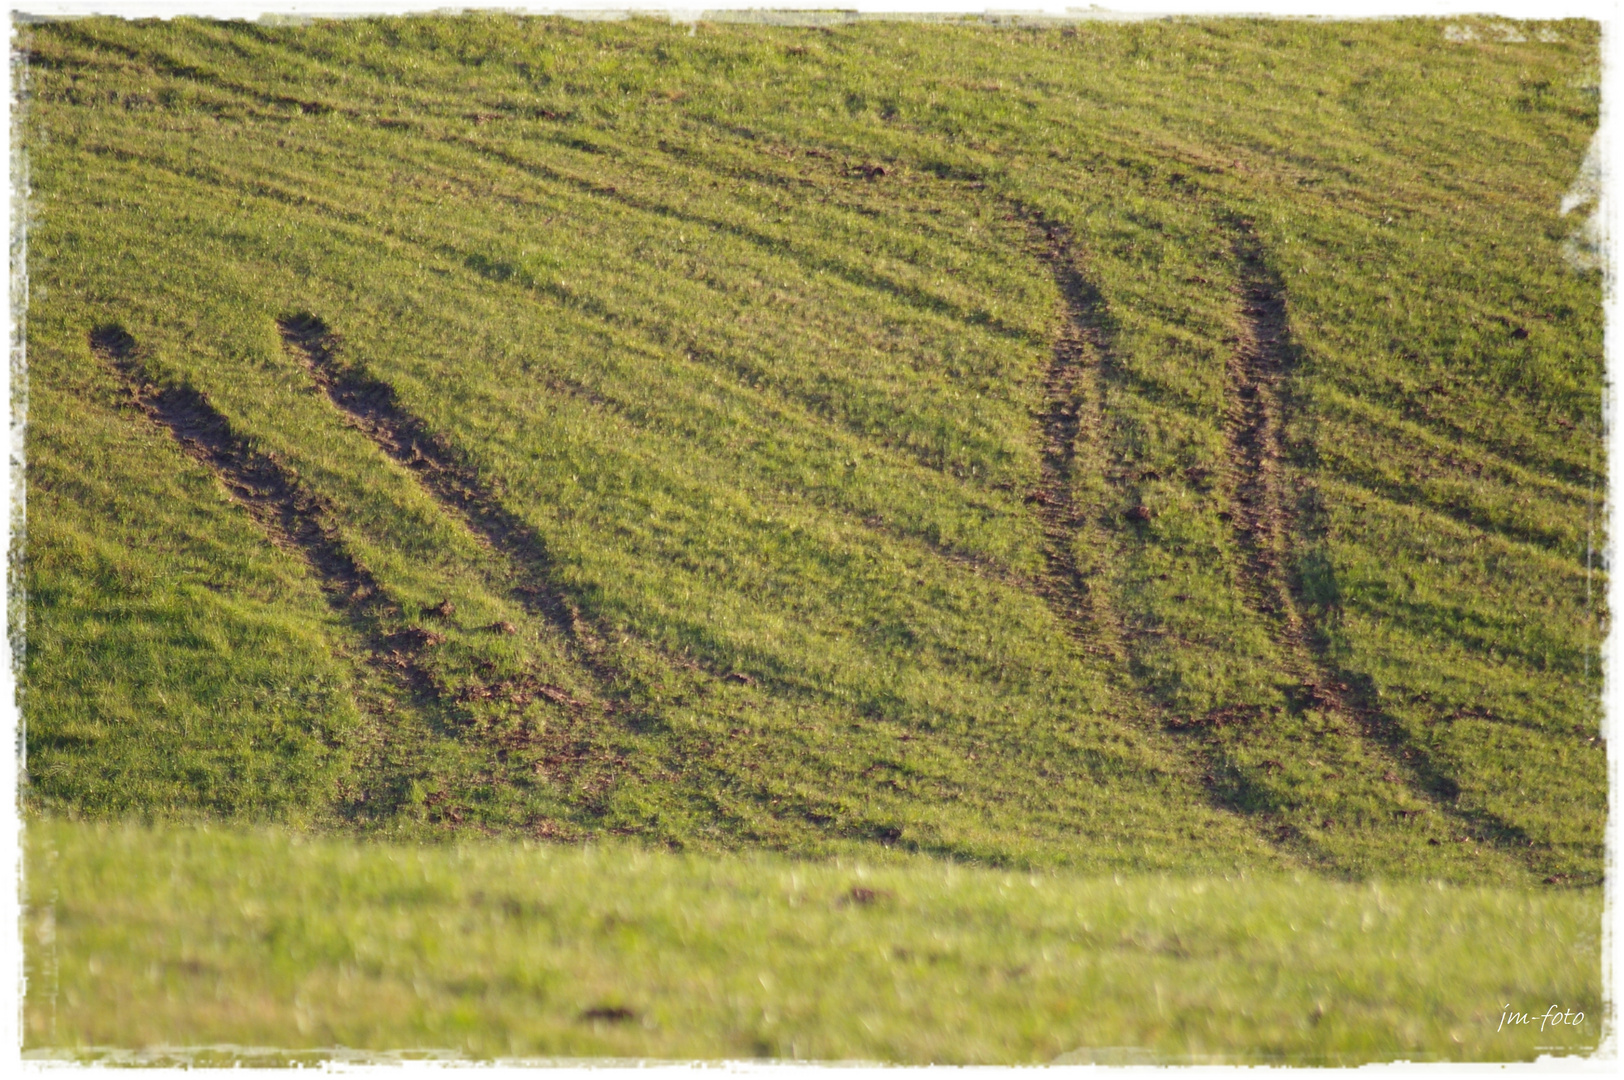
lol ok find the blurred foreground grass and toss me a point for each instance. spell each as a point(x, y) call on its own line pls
point(156, 940)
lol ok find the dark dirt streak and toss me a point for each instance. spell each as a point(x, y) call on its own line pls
point(450, 481)
point(295, 519)
point(373, 407)
point(455, 485)
point(1254, 430)
point(1081, 367)
point(1269, 517)
point(572, 748)
point(1073, 407)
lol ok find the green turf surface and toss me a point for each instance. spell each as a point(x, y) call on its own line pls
point(1168, 446)
point(1122, 497)
point(160, 941)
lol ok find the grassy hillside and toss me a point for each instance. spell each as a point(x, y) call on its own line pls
point(188, 946)
point(1162, 446)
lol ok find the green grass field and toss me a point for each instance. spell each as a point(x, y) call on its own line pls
point(227, 941)
point(1161, 448)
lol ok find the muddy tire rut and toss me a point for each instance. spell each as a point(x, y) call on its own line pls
point(1075, 448)
point(295, 519)
point(1072, 423)
point(373, 407)
point(1269, 520)
point(1263, 512)
point(1272, 516)
point(298, 520)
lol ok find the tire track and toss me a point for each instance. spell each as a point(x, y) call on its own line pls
point(298, 520)
point(295, 519)
point(453, 483)
point(1254, 425)
point(1072, 417)
point(1269, 517)
point(1075, 445)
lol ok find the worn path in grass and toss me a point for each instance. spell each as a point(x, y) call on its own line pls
point(1081, 488)
point(297, 520)
point(1274, 512)
point(373, 407)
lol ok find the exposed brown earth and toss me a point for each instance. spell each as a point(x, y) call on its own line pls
point(1075, 445)
point(373, 407)
point(295, 518)
point(1253, 430)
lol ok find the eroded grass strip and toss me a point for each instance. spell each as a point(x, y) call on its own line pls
point(294, 517)
point(401, 654)
point(429, 456)
point(1072, 418)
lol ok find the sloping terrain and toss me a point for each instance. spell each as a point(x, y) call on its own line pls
point(1163, 445)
